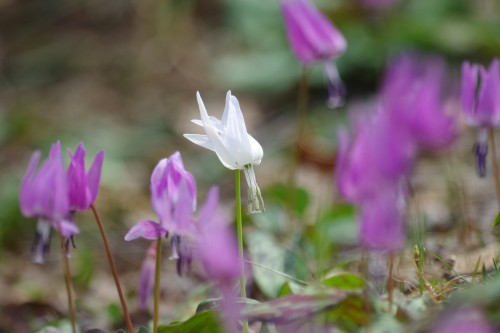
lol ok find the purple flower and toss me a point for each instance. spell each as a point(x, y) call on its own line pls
point(173, 197)
point(411, 95)
point(44, 195)
point(218, 253)
point(378, 155)
point(480, 98)
point(314, 38)
point(481, 104)
point(83, 187)
point(381, 222)
point(147, 278)
point(167, 179)
point(463, 320)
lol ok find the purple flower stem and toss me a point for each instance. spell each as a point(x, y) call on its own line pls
point(157, 285)
point(112, 265)
point(239, 230)
point(496, 170)
point(69, 287)
point(390, 280)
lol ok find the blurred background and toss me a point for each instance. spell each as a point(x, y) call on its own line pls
point(121, 75)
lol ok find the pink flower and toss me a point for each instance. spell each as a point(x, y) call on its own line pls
point(314, 38)
point(83, 187)
point(44, 196)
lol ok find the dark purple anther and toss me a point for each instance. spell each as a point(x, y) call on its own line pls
point(481, 151)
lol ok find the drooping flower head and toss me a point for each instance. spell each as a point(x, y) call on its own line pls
point(377, 154)
point(312, 36)
point(481, 104)
point(374, 162)
point(167, 178)
point(83, 186)
point(314, 39)
point(412, 97)
point(44, 195)
point(235, 148)
point(479, 94)
point(381, 222)
point(173, 197)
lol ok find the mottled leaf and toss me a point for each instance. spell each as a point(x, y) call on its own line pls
point(293, 307)
point(202, 322)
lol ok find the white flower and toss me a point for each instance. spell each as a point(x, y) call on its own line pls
point(229, 139)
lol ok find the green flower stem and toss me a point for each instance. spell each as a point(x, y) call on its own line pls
point(496, 170)
point(390, 280)
point(114, 271)
point(157, 285)
point(239, 230)
point(302, 103)
point(69, 288)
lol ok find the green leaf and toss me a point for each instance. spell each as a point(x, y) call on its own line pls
point(264, 250)
point(346, 281)
point(350, 314)
point(203, 322)
point(114, 312)
point(297, 199)
point(497, 220)
point(285, 290)
point(294, 307)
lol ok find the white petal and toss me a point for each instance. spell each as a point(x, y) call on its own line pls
point(257, 151)
point(225, 156)
point(203, 110)
point(235, 134)
point(200, 140)
point(214, 121)
point(226, 109)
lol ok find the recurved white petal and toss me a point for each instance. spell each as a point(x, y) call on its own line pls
point(200, 140)
point(257, 151)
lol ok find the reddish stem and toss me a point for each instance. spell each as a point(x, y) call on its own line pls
point(113, 270)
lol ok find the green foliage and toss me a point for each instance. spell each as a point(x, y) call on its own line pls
point(497, 220)
point(85, 268)
point(114, 312)
point(345, 281)
point(350, 314)
point(202, 322)
point(336, 227)
point(265, 251)
point(296, 199)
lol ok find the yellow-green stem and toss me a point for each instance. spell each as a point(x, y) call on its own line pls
point(114, 271)
point(496, 171)
point(302, 102)
point(69, 288)
point(390, 280)
point(157, 286)
point(239, 230)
